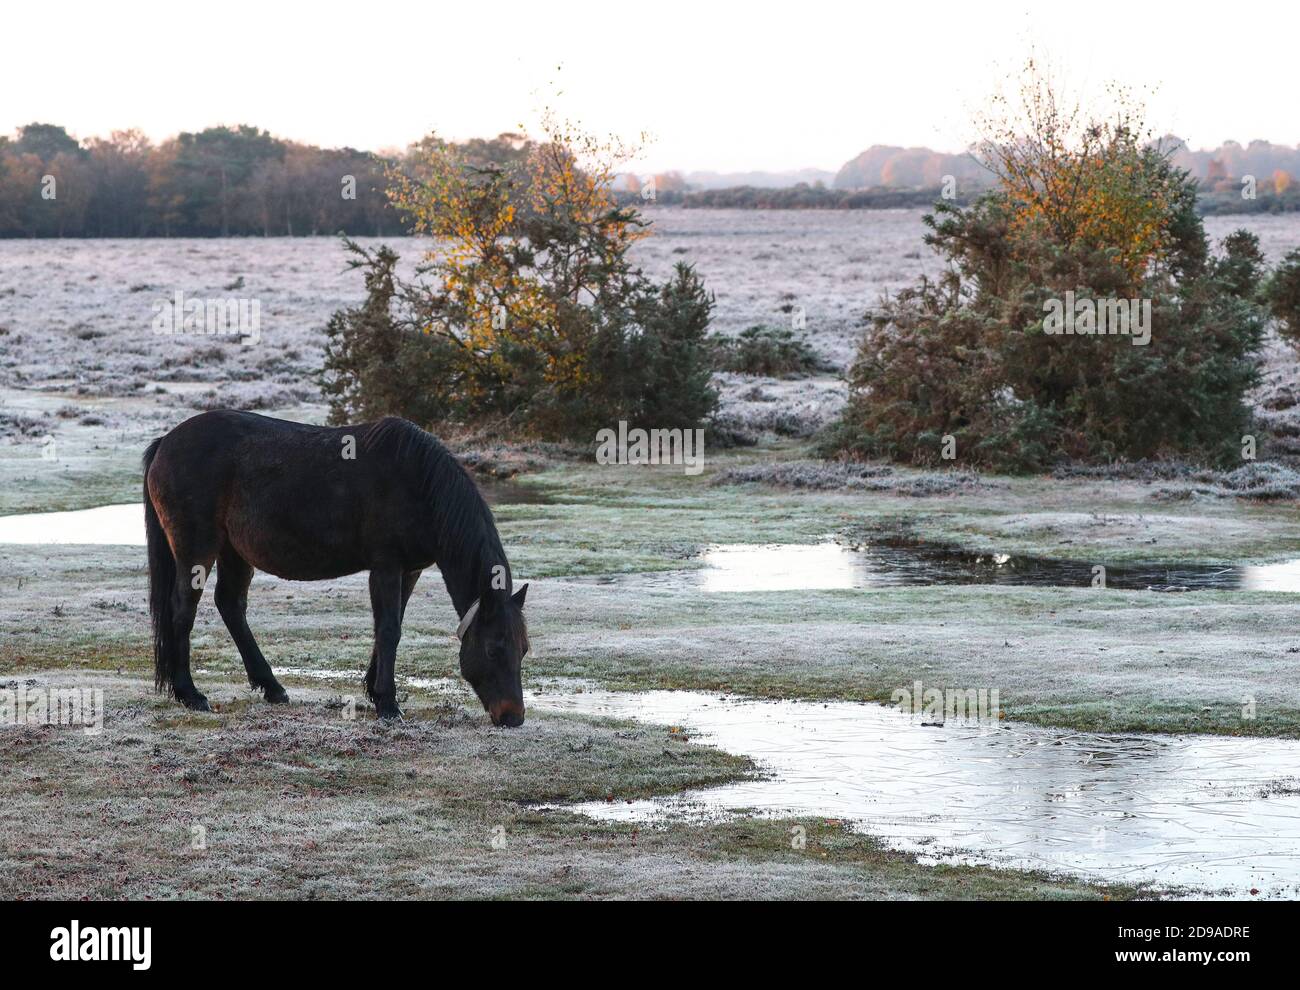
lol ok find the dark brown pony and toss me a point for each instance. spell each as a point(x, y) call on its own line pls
point(309, 503)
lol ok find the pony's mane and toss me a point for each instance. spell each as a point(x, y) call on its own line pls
point(466, 532)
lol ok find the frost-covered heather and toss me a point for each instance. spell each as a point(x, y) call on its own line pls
point(79, 312)
point(76, 315)
point(838, 476)
point(1260, 480)
point(766, 266)
point(500, 460)
point(751, 407)
point(1277, 399)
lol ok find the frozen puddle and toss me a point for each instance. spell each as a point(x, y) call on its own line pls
point(107, 524)
point(1211, 812)
point(893, 564)
point(742, 567)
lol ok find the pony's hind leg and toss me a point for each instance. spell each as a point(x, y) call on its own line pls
point(233, 577)
point(191, 575)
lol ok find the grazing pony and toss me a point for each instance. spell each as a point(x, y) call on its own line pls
point(309, 503)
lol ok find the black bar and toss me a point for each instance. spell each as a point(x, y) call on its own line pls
point(338, 939)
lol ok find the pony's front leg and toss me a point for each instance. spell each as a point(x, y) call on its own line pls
point(408, 586)
point(386, 602)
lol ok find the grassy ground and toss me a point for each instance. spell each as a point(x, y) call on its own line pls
point(252, 801)
point(301, 802)
point(1078, 657)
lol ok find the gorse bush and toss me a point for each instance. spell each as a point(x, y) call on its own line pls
point(527, 311)
point(771, 351)
point(1283, 297)
point(377, 360)
point(1104, 218)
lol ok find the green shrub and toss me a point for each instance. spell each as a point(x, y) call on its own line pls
point(769, 351)
point(969, 356)
point(526, 312)
point(1088, 216)
point(377, 362)
point(644, 359)
point(1283, 297)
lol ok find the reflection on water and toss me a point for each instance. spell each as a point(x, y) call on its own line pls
point(779, 568)
point(124, 524)
point(771, 567)
point(895, 563)
point(1211, 812)
point(1272, 577)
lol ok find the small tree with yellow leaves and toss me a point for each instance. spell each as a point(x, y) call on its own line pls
point(1084, 211)
point(530, 300)
point(1080, 180)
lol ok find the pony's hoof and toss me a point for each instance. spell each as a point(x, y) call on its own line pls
point(276, 695)
point(389, 712)
point(196, 703)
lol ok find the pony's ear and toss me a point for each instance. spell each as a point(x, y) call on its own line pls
point(518, 596)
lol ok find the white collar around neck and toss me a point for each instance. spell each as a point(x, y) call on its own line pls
point(469, 617)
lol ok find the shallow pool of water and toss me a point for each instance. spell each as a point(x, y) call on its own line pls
point(890, 564)
point(1210, 812)
point(106, 524)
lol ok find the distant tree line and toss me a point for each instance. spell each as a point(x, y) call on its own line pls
point(1276, 194)
point(801, 196)
point(910, 168)
point(817, 197)
point(243, 181)
point(218, 182)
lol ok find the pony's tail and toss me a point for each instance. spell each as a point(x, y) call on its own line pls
point(162, 583)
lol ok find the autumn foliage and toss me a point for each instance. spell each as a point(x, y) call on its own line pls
point(528, 313)
point(1100, 184)
point(1092, 209)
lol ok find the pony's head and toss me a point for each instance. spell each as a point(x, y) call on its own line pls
point(493, 642)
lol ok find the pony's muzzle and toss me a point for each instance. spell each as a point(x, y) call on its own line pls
point(507, 713)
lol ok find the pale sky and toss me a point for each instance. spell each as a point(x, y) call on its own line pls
point(719, 85)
